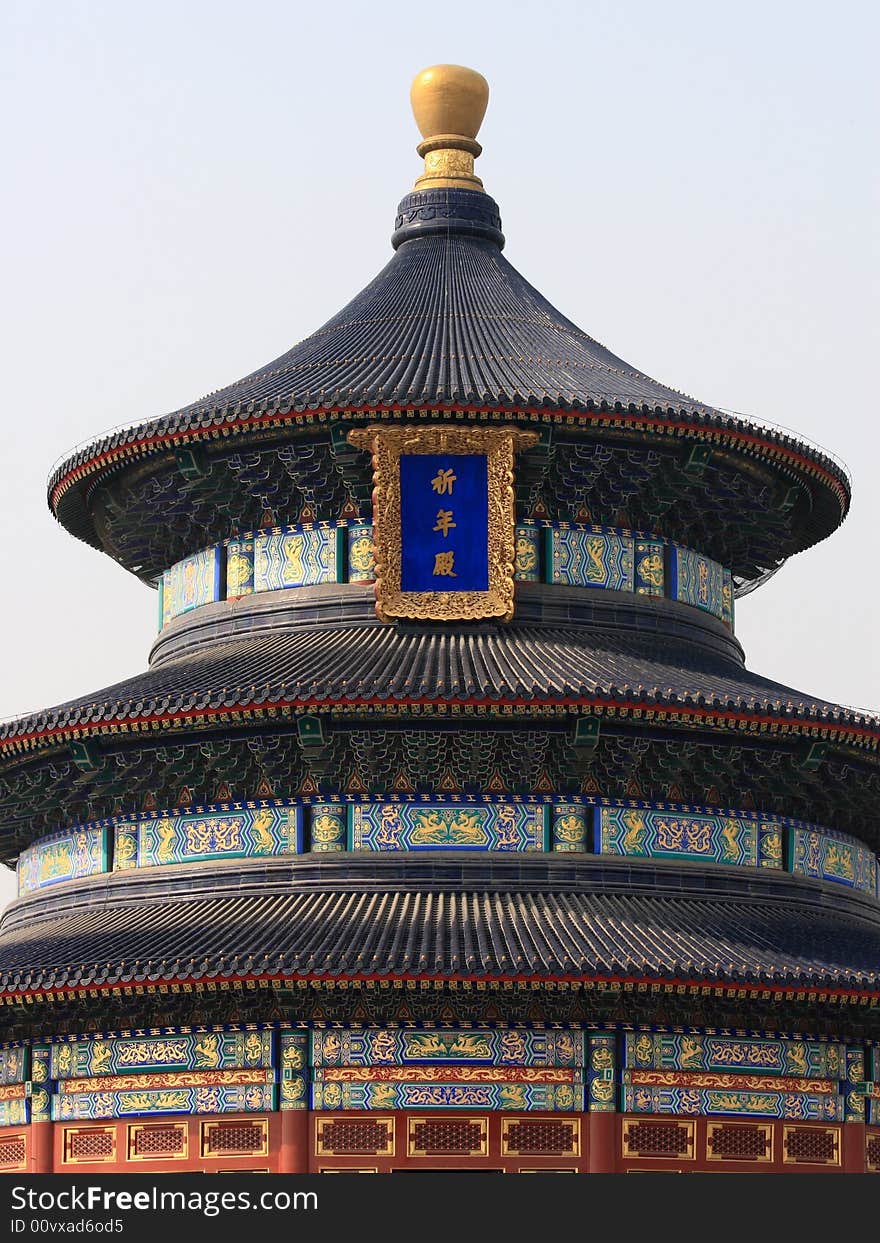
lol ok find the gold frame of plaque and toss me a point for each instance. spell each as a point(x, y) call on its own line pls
point(388, 445)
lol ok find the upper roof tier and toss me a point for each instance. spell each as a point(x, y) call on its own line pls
point(448, 325)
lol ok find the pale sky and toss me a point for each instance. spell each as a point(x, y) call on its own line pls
point(189, 188)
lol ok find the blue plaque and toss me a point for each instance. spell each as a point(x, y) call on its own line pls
point(444, 522)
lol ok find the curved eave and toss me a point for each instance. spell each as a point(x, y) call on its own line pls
point(23, 737)
point(72, 482)
point(492, 923)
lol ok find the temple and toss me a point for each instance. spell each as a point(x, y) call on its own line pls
point(447, 828)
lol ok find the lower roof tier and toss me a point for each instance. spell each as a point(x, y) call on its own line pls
point(441, 919)
point(316, 649)
point(303, 692)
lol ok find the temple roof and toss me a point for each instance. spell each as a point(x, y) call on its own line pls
point(447, 322)
point(447, 325)
point(488, 918)
point(318, 666)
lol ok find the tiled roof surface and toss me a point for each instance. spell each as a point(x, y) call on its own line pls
point(388, 664)
point(483, 932)
point(448, 321)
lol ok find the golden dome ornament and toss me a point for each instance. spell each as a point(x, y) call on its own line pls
point(449, 103)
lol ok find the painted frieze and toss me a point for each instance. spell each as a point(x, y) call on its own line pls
point(489, 1047)
point(14, 1105)
point(727, 598)
point(695, 579)
point(228, 1092)
point(299, 556)
point(361, 566)
point(713, 837)
point(41, 1100)
point(238, 833)
point(63, 856)
point(854, 1086)
point(441, 1087)
point(744, 1054)
point(688, 1101)
point(239, 568)
point(589, 557)
point(190, 583)
point(294, 1059)
point(830, 856)
point(448, 826)
point(602, 1072)
point(650, 567)
point(190, 1051)
point(527, 556)
point(14, 1063)
point(328, 828)
point(570, 826)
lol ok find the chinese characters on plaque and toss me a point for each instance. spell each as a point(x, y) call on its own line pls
point(443, 520)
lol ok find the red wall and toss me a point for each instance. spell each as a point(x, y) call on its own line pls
point(300, 1141)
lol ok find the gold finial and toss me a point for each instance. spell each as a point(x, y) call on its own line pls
point(449, 103)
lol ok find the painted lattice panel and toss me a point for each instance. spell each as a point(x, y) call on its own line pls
point(435, 1137)
point(590, 557)
point(190, 583)
point(64, 856)
point(13, 1152)
point(811, 1145)
point(739, 1141)
point(533, 1137)
point(157, 1141)
point(659, 1139)
point(229, 1139)
point(354, 1137)
point(85, 1144)
point(298, 557)
point(442, 826)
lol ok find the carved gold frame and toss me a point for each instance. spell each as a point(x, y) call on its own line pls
point(388, 445)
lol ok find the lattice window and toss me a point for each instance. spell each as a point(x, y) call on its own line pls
point(872, 1151)
point(13, 1151)
point(658, 1139)
point(534, 1136)
point(161, 1140)
point(812, 1145)
point(354, 1137)
point(453, 1137)
point(226, 1138)
point(737, 1141)
point(89, 1144)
